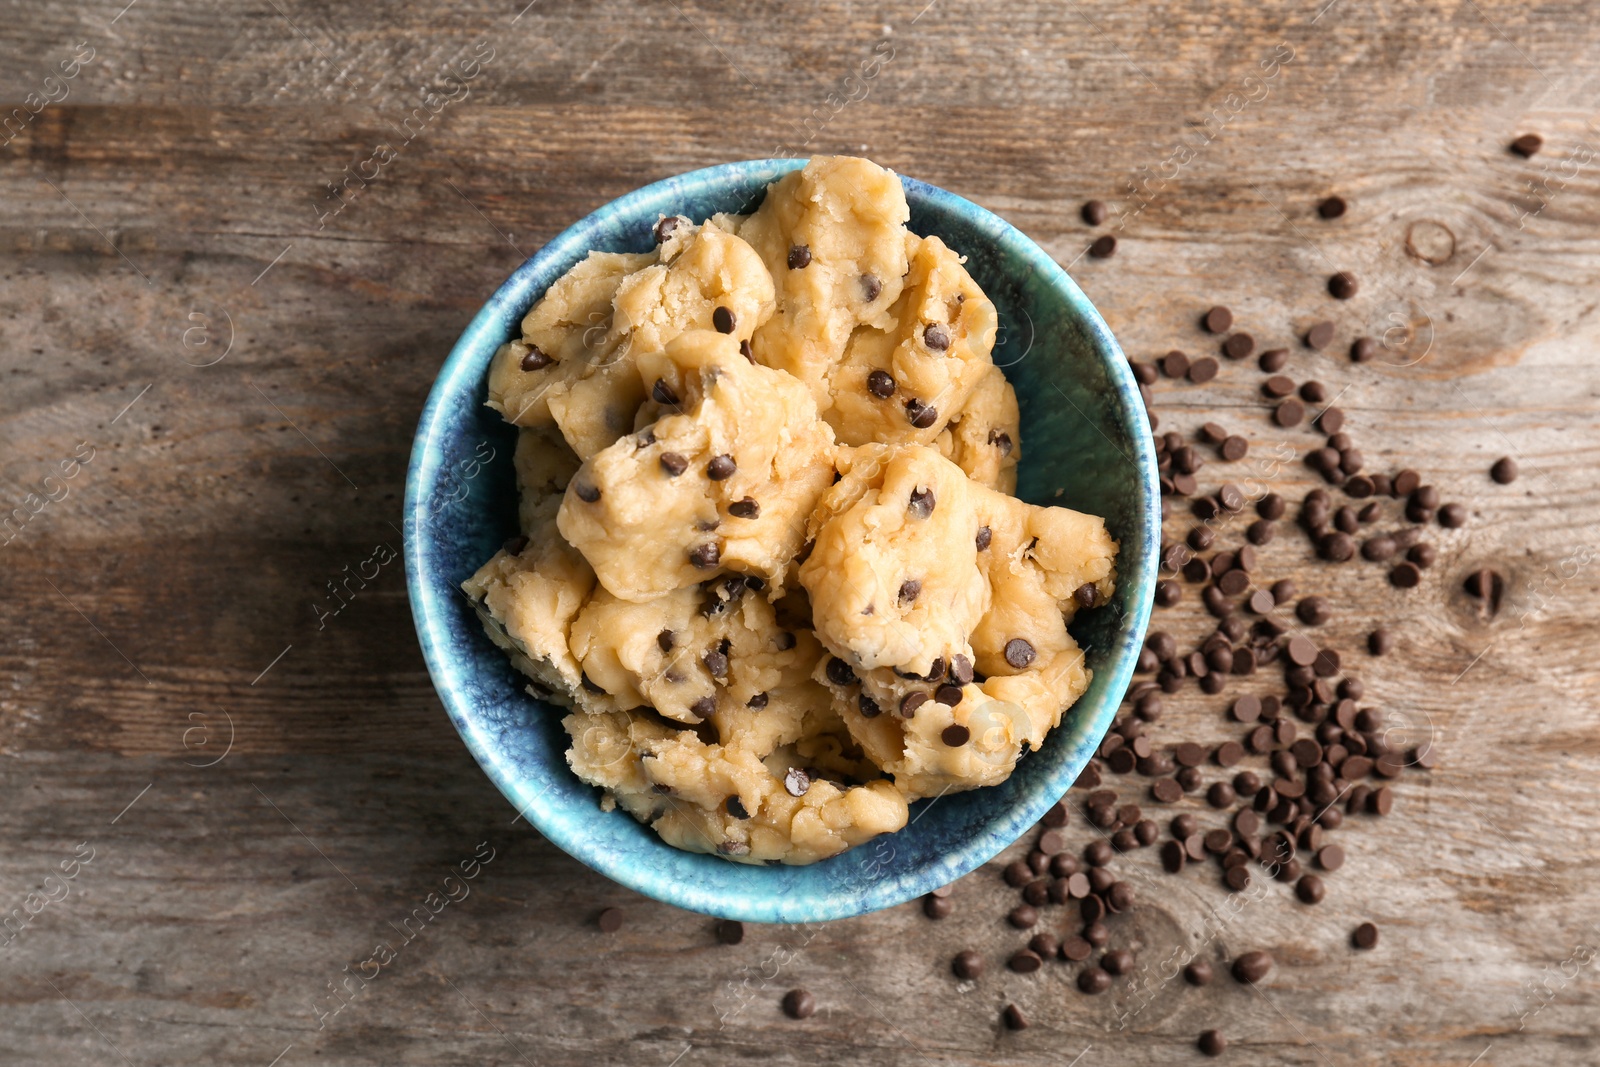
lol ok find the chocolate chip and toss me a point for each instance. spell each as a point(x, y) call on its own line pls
point(1239, 346)
point(1023, 916)
point(1332, 207)
point(1365, 936)
point(871, 287)
point(921, 415)
point(610, 920)
point(796, 781)
point(921, 503)
point(1235, 448)
point(665, 227)
point(869, 707)
point(515, 546)
point(1528, 145)
point(1118, 961)
point(799, 1004)
point(745, 509)
point(880, 384)
point(1289, 413)
point(911, 702)
point(1342, 286)
point(1452, 516)
point(1086, 595)
point(535, 359)
point(1405, 576)
point(721, 468)
point(967, 965)
point(1093, 980)
point(937, 907)
point(735, 807)
point(586, 492)
point(1094, 212)
point(705, 556)
point(799, 257)
point(674, 464)
point(1198, 973)
point(1330, 421)
point(1212, 1043)
point(1104, 247)
point(955, 735)
point(757, 702)
point(839, 672)
point(730, 931)
point(1218, 320)
point(704, 707)
point(1504, 470)
point(1174, 364)
point(1363, 349)
point(1012, 1016)
point(716, 663)
point(1019, 652)
point(1320, 336)
point(1252, 967)
point(1273, 360)
point(722, 319)
point(1203, 370)
point(936, 337)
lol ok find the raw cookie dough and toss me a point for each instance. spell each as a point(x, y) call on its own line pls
point(905, 381)
point(770, 561)
point(983, 439)
point(723, 478)
point(893, 575)
point(574, 363)
point(833, 238)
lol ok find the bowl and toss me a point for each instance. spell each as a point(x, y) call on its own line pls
point(1086, 444)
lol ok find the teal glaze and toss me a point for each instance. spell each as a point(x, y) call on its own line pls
point(1085, 444)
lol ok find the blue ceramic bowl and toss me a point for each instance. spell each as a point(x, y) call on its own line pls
point(1086, 444)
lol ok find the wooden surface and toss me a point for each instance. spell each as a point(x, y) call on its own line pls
point(165, 215)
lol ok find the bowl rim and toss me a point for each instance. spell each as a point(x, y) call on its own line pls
point(463, 368)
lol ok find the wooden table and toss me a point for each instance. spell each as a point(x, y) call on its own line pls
point(224, 304)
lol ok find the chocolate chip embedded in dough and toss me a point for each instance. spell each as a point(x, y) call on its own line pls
point(871, 286)
point(983, 538)
point(796, 781)
point(674, 463)
point(747, 508)
point(880, 384)
point(721, 468)
point(1019, 652)
point(921, 415)
point(664, 393)
point(722, 318)
point(799, 257)
point(587, 493)
point(535, 359)
point(922, 502)
point(705, 556)
point(936, 337)
point(911, 702)
point(955, 735)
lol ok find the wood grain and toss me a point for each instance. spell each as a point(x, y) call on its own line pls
point(170, 209)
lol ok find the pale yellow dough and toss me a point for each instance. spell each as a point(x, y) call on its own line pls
point(770, 561)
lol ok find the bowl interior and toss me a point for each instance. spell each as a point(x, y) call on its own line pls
point(1085, 444)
